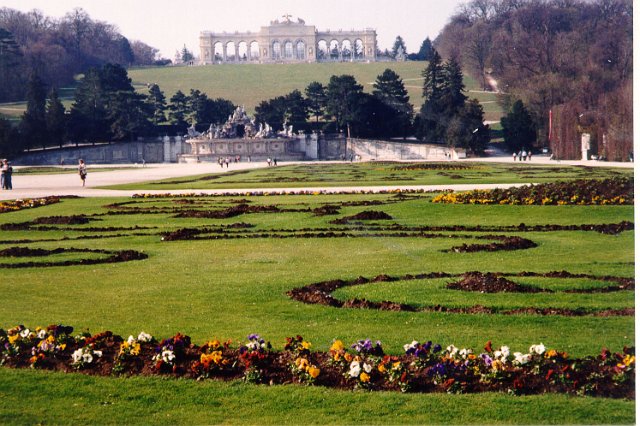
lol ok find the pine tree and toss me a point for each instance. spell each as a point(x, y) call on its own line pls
point(431, 123)
point(178, 109)
point(33, 125)
point(452, 98)
point(88, 119)
point(518, 128)
point(157, 104)
point(317, 99)
point(56, 119)
point(390, 90)
point(11, 76)
point(398, 44)
point(426, 50)
point(344, 99)
point(185, 55)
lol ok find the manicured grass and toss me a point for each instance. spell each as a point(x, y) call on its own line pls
point(41, 397)
point(228, 288)
point(380, 173)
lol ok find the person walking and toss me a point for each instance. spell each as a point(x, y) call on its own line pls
point(82, 170)
point(275, 161)
point(3, 172)
point(6, 171)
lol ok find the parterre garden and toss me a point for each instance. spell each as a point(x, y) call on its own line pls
point(392, 307)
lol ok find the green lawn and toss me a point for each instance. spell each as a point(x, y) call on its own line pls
point(249, 84)
point(379, 174)
point(230, 287)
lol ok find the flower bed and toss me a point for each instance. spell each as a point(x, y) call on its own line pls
point(615, 191)
point(28, 203)
point(423, 367)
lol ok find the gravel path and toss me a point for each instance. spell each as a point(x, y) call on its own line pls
point(30, 186)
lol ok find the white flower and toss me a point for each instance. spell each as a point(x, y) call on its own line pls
point(98, 354)
point(168, 356)
point(131, 340)
point(76, 356)
point(354, 369)
point(452, 350)
point(42, 334)
point(87, 357)
point(465, 352)
point(411, 345)
point(144, 337)
point(366, 367)
point(537, 349)
point(25, 333)
point(521, 359)
point(505, 351)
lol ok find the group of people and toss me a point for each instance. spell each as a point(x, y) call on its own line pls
point(226, 160)
point(522, 155)
point(271, 161)
point(5, 175)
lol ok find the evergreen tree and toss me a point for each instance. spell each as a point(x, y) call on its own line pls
point(397, 45)
point(11, 75)
point(426, 50)
point(178, 109)
point(56, 119)
point(452, 98)
point(9, 139)
point(518, 128)
point(344, 99)
point(297, 111)
point(157, 104)
point(126, 115)
point(33, 125)
point(390, 90)
point(317, 99)
point(466, 129)
point(88, 119)
point(431, 124)
point(185, 55)
point(272, 112)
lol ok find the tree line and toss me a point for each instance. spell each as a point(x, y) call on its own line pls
point(570, 57)
point(106, 107)
point(59, 49)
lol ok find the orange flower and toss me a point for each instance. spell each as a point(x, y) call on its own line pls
point(364, 377)
point(313, 371)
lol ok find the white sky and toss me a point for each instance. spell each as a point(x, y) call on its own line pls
point(168, 24)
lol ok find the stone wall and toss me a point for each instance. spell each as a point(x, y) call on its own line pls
point(160, 150)
point(383, 150)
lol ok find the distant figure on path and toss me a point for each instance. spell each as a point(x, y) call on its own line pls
point(6, 171)
point(529, 154)
point(82, 170)
point(275, 161)
point(3, 173)
point(514, 156)
point(269, 161)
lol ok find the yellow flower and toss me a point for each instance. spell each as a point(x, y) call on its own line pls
point(364, 377)
point(302, 363)
point(313, 371)
point(14, 338)
point(306, 345)
point(382, 368)
point(628, 360)
point(551, 353)
point(348, 357)
point(337, 346)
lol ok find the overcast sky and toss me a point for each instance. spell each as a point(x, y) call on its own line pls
point(168, 24)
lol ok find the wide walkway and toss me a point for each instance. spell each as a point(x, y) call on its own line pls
point(32, 186)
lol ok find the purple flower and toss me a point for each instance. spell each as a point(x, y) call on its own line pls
point(487, 359)
point(437, 348)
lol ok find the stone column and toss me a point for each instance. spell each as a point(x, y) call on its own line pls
point(166, 148)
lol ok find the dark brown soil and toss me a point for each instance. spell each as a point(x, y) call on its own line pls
point(490, 283)
point(365, 215)
point(320, 293)
point(112, 257)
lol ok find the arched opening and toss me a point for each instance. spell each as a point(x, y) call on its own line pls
point(218, 51)
point(275, 50)
point(243, 51)
point(358, 49)
point(346, 50)
point(300, 50)
point(254, 51)
point(334, 49)
point(323, 50)
point(288, 50)
point(231, 51)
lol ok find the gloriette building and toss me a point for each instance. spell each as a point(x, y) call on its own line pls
point(287, 40)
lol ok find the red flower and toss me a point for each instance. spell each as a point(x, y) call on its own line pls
point(488, 348)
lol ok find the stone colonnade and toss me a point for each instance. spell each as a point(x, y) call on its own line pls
point(287, 41)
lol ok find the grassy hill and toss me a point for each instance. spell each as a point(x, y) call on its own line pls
point(248, 84)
